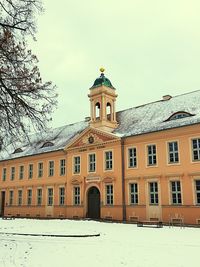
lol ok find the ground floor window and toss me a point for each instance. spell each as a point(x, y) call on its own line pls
point(39, 196)
point(11, 196)
point(109, 194)
point(19, 197)
point(176, 192)
point(77, 195)
point(153, 193)
point(61, 196)
point(197, 188)
point(29, 197)
point(50, 197)
point(133, 193)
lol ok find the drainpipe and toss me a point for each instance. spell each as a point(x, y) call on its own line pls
point(123, 180)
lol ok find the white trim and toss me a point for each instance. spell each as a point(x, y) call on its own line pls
point(88, 162)
point(76, 155)
point(104, 160)
point(167, 152)
point(127, 158)
point(146, 156)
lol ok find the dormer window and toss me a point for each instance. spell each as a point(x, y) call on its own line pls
point(179, 115)
point(17, 150)
point(47, 144)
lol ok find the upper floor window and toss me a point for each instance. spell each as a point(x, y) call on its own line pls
point(179, 115)
point(77, 164)
point(39, 196)
point(176, 192)
point(30, 171)
point(92, 163)
point(12, 174)
point(132, 157)
point(62, 167)
point(196, 149)
point(109, 194)
point(50, 197)
point(173, 152)
point(77, 195)
point(108, 160)
point(153, 193)
point(197, 189)
point(61, 196)
point(40, 169)
point(19, 197)
point(21, 172)
point(51, 168)
point(133, 193)
point(151, 150)
point(29, 197)
point(4, 173)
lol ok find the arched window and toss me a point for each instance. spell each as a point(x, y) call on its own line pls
point(179, 115)
point(108, 111)
point(47, 144)
point(17, 150)
point(97, 111)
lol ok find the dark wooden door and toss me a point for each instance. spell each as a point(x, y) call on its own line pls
point(93, 203)
point(3, 194)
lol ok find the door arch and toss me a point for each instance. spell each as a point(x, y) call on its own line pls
point(93, 201)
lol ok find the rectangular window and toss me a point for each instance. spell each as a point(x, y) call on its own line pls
point(109, 194)
point(19, 197)
point(108, 160)
point(77, 164)
point(92, 163)
point(30, 171)
point(61, 196)
point(176, 192)
point(196, 149)
point(134, 193)
point(12, 175)
point(132, 158)
point(51, 168)
point(11, 196)
point(77, 195)
point(50, 197)
point(153, 193)
point(21, 172)
point(39, 196)
point(62, 167)
point(173, 152)
point(197, 189)
point(29, 197)
point(151, 149)
point(40, 169)
point(4, 174)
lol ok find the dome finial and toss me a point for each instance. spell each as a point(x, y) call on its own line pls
point(102, 69)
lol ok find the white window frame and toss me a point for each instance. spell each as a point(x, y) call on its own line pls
point(176, 192)
point(195, 149)
point(132, 159)
point(197, 192)
point(11, 197)
point(62, 167)
point(40, 169)
point(50, 197)
point(174, 153)
point(133, 193)
point(4, 174)
point(92, 162)
point(51, 168)
point(153, 193)
point(76, 195)
point(21, 172)
point(152, 155)
point(108, 160)
point(12, 173)
point(20, 197)
point(30, 171)
point(77, 165)
point(29, 196)
point(61, 196)
point(39, 197)
point(109, 188)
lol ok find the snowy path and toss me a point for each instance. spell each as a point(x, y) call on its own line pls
point(118, 245)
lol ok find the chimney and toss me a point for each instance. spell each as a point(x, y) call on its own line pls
point(166, 97)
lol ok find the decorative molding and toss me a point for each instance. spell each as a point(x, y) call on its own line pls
point(108, 179)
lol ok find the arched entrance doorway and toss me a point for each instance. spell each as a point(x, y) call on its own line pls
point(93, 211)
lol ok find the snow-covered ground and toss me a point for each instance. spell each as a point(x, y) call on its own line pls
point(118, 245)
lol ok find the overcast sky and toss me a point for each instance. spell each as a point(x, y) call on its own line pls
point(149, 48)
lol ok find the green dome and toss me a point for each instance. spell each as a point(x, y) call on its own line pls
point(102, 80)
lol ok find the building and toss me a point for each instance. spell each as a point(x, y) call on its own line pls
point(142, 163)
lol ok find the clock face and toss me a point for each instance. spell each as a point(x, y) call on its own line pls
point(91, 139)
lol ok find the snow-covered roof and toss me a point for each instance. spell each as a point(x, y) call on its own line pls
point(147, 118)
